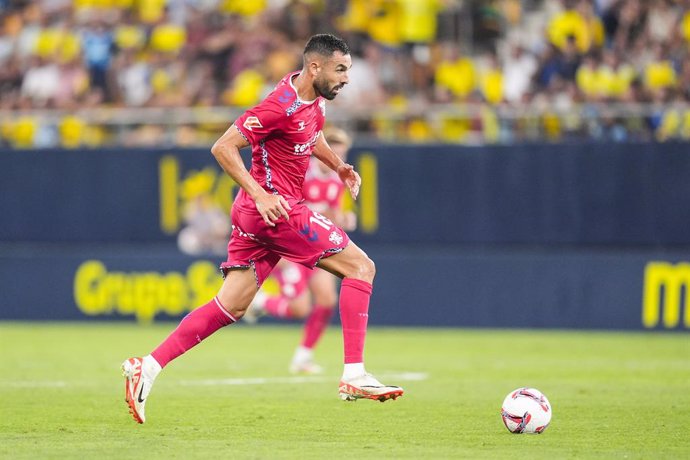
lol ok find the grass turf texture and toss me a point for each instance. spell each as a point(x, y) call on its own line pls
point(614, 395)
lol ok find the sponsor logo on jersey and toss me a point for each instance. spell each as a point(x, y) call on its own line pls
point(303, 149)
point(252, 122)
point(301, 126)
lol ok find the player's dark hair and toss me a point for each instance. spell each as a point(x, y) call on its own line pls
point(326, 45)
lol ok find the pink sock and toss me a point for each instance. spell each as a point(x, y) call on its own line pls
point(354, 314)
point(316, 324)
point(193, 328)
point(278, 307)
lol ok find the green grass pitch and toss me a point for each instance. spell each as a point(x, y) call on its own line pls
point(614, 395)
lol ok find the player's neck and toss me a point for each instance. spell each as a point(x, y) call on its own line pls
point(304, 87)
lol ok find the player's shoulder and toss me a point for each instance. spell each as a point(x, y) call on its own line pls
point(283, 96)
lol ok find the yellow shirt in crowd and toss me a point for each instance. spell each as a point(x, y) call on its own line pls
point(393, 22)
point(418, 20)
point(129, 37)
point(674, 124)
point(150, 11)
point(57, 42)
point(659, 74)
point(246, 90)
point(71, 130)
point(571, 23)
point(605, 81)
point(685, 26)
point(586, 79)
point(102, 4)
point(491, 84)
point(356, 17)
point(21, 132)
point(384, 24)
point(168, 38)
point(243, 7)
point(458, 76)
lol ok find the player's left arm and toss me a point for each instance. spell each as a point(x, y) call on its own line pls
point(345, 171)
point(226, 150)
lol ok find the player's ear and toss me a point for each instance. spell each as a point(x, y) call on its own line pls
point(314, 68)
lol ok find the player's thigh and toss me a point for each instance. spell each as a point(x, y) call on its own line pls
point(238, 290)
point(324, 288)
point(351, 262)
point(307, 237)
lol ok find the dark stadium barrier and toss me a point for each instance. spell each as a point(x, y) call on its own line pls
point(565, 236)
point(426, 286)
point(601, 194)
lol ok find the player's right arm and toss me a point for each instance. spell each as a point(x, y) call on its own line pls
point(226, 150)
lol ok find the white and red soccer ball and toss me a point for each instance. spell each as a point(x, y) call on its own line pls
point(526, 410)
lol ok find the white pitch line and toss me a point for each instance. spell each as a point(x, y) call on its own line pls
point(402, 376)
point(34, 384)
point(405, 376)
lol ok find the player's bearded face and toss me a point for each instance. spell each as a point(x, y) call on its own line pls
point(328, 89)
point(333, 76)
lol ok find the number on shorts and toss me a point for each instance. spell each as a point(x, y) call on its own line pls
point(320, 220)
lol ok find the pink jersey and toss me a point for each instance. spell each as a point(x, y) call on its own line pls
point(322, 191)
point(282, 131)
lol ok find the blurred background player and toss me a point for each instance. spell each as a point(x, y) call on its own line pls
point(305, 293)
point(206, 229)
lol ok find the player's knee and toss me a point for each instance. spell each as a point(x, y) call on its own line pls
point(238, 311)
point(371, 269)
point(236, 308)
point(364, 270)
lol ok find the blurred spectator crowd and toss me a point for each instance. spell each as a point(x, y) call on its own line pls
point(176, 72)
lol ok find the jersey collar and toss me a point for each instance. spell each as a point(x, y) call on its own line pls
point(290, 77)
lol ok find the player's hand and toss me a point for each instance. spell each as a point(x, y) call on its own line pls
point(350, 178)
point(272, 208)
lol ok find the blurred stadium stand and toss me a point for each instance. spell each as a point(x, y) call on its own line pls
point(177, 72)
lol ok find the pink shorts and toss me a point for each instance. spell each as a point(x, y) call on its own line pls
point(305, 238)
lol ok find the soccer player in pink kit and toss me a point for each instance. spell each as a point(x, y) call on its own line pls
point(301, 287)
point(271, 222)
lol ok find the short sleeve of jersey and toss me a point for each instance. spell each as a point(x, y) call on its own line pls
point(259, 122)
